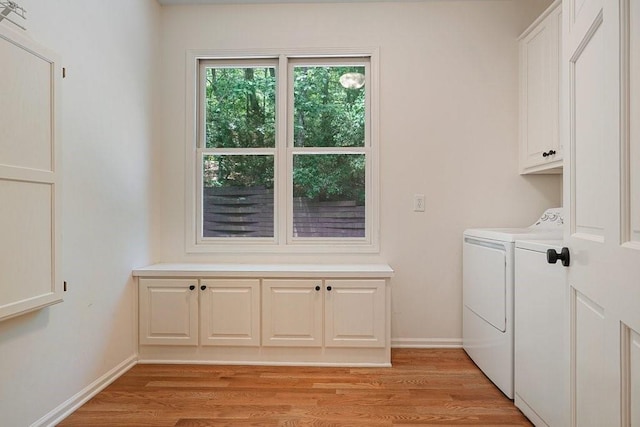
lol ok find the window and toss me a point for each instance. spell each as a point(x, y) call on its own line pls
point(282, 154)
point(237, 146)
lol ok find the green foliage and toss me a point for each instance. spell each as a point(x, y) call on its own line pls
point(238, 171)
point(241, 113)
point(329, 177)
point(325, 113)
point(240, 107)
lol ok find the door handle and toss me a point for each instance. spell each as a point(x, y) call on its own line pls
point(553, 256)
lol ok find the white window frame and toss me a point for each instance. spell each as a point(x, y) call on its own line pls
point(283, 240)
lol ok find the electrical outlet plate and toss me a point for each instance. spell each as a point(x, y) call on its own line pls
point(418, 202)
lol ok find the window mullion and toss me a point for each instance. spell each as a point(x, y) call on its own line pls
point(283, 174)
point(200, 144)
point(330, 150)
point(201, 109)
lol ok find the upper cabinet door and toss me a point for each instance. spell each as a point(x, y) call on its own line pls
point(30, 176)
point(540, 48)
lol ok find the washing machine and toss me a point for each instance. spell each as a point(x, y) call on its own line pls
point(541, 352)
point(488, 290)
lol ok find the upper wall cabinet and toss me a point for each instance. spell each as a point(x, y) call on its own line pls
point(540, 49)
point(29, 176)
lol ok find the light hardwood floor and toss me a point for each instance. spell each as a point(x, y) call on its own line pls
point(424, 387)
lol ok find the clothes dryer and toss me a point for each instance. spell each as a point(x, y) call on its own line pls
point(487, 293)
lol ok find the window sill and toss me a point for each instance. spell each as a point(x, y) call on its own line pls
point(266, 270)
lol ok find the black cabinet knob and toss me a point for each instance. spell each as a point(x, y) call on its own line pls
point(553, 256)
point(317, 287)
point(545, 154)
point(329, 288)
point(203, 287)
point(192, 287)
point(552, 152)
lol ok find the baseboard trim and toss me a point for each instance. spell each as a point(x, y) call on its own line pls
point(426, 343)
point(70, 405)
point(263, 363)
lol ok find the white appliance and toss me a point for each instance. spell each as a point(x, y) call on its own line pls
point(487, 293)
point(541, 356)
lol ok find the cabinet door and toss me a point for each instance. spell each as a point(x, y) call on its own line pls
point(168, 311)
point(292, 313)
point(230, 312)
point(30, 175)
point(540, 148)
point(355, 313)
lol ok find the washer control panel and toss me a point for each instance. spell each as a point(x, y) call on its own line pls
point(551, 218)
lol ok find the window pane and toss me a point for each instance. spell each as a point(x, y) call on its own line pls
point(329, 195)
point(240, 107)
point(237, 198)
point(329, 106)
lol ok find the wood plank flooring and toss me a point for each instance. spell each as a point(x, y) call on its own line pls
point(424, 387)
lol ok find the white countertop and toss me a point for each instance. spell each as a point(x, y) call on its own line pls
point(266, 270)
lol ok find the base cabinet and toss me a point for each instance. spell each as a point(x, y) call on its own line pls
point(350, 312)
point(205, 312)
point(311, 320)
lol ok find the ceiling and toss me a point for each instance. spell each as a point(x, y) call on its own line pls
point(171, 2)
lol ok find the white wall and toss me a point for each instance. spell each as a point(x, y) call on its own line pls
point(109, 49)
point(448, 130)
point(448, 121)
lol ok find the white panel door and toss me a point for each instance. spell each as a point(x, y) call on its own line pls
point(25, 106)
point(354, 313)
point(230, 312)
point(634, 376)
point(599, 124)
point(168, 311)
point(30, 174)
point(292, 313)
point(589, 360)
point(26, 251)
